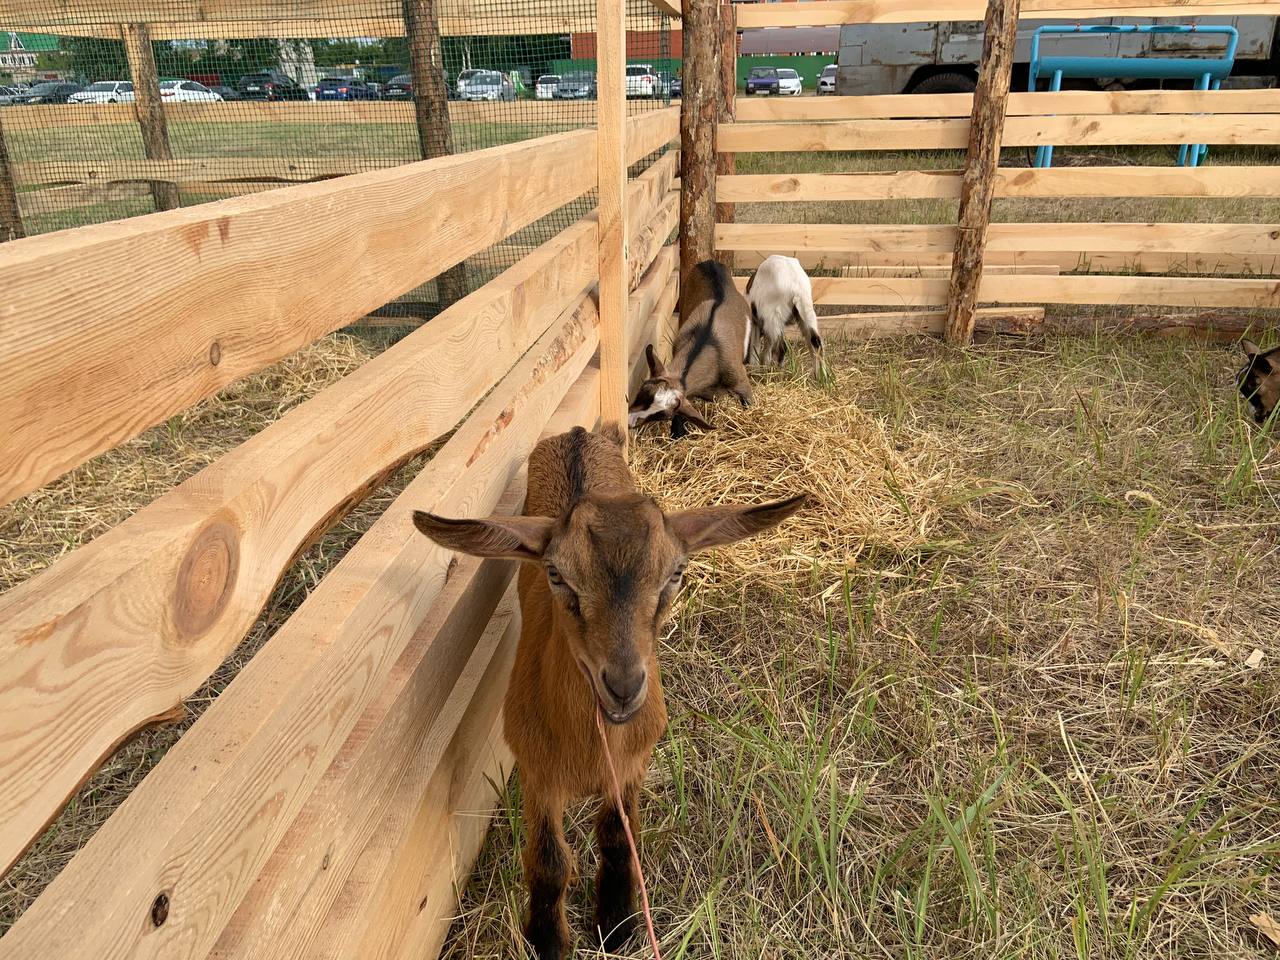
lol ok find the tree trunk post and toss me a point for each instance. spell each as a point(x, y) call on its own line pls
point(726, 162)
point(985, 133)
point(431, 112)
point(611, 178)
point(699, 111)
point(10, 214)
point(149, 108)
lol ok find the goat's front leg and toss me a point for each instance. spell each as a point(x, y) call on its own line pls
point(547, 864)
point(616, 882)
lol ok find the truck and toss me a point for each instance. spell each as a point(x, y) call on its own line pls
point(943, 57)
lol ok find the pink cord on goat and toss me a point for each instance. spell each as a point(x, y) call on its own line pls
point(626, 826)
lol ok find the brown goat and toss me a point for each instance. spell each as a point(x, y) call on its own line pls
point(709, 353)
point(604, 566)
point(1259, 379)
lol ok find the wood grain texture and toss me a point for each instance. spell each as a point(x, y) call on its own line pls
point(108, 332)
point(953, 134)
point(34, 172)
point(977, 186)
point(659, 325)
point(650, 237)
point(825, 13)
point(870, 326)
point(909, 105)
point(1230, 181)
point(726, 163)
point(650, 131)
point(204, 824)
point(1027, 238)
point(1178, 264)
point(611, 166)
point(1034, 289)
point(167, 594)
point(699, 119)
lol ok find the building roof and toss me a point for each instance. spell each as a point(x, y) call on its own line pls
point(30, 42)
point(773, 40)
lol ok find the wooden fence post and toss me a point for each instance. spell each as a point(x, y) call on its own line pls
point(10, 215)
point(699, 111)
point(431, 112)
point(726, 162)
point(149, 108)
point(611, 175)
point(978, 186)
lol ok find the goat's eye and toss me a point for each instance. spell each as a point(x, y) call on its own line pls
point(554, 576)
point(677, 576)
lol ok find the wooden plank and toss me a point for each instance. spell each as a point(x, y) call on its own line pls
point(247, 768)
point(650, 131)
point(1009, 182)
point(235, 273)
point(131, 586)
point(207, 168)
point(573, 113)
point(611, 166)
point(1110, 290)
point(910, 105)
point(944, 270)
point(649, 238)
point(828, 13)
point(668, 8)
point(953, 134)
point(10, 207)
point(658, 313)
point(977, 189)
point(1029, 238)
point(147, 106)
point(1092, 261)
point(868, 326)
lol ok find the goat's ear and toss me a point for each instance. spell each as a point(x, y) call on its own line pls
point(705, 527)
point(656, 369)
point(690, 413)
point(513, 538)
point(1250, 348)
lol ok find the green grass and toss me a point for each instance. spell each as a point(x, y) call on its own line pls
point(1025, 731)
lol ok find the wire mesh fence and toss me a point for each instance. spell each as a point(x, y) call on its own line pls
point(111, 110)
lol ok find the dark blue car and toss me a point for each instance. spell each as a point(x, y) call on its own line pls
point(344, 88)
point(762, 80)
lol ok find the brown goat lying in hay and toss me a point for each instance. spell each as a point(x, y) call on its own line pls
point(604, 565)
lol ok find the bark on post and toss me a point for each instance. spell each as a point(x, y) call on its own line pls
point(726, 162)
point(699, 111)
point(10, 215)
point(431, 111)
point(985, 134)
point(149, 108)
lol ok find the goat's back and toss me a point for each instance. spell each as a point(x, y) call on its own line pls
point(563, 468)
point(708, 297)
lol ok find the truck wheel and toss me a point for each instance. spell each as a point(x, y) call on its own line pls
point(946, 83)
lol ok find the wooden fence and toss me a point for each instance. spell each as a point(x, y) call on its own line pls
point(334, 794)
point(866, 254)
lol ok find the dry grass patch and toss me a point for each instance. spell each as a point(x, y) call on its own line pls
point(989, 696)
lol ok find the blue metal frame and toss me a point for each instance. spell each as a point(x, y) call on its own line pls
point(1207, 73)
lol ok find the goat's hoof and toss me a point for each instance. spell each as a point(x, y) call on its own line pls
point(744, 400)
point(548, 938)
point(615, 931)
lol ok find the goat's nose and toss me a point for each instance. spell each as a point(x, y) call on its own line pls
point(624, 684)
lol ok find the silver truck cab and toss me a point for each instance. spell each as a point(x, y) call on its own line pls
point(943, 57)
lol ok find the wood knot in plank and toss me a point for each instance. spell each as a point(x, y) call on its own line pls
point(206, 578)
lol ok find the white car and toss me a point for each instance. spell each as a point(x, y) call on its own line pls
point(104, 91)
point(827, 81)
point(545, 88)
point(642, 80)
point(465, 77)
point(789, 83)
point(186, 91)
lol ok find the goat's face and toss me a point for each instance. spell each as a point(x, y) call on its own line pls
point(661, 397)
point(1259, 379)
point(613, 565)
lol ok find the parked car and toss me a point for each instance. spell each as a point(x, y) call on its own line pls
point(344, 88)
point(227, 93)
point(8, 95)
point(545, 88)
point(51, 91)
point(186, 91)
point(489, 85)
point(104, 91)
point(271, 85)
point(789, 83)
point(466, 77)
point(375, 89)
point(400, 88)
point(642, 80)
point(579, 85)
point(827, 80)
point(762, 80)
point(677, 86)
